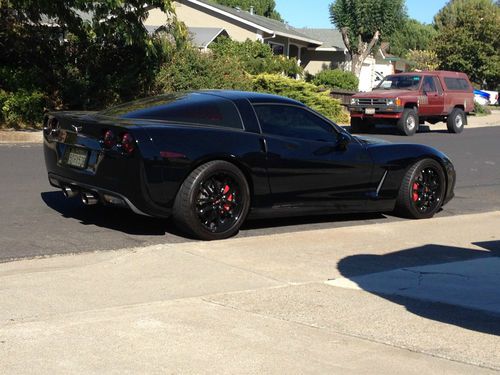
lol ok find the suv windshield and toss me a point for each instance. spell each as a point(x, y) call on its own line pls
point(403, 82)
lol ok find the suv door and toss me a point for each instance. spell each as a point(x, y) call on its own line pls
point(305, 164)
point(433, 97)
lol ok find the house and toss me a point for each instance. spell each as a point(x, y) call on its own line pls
point(315, 49)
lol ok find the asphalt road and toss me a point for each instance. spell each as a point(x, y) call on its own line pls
point(36, 220)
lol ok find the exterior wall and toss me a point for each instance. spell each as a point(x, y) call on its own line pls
point(316, 61)
point(201, 17)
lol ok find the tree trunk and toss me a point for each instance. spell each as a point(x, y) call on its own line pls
point(356, 64)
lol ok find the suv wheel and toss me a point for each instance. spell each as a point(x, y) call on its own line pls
point(408, 123)
point(456, 121)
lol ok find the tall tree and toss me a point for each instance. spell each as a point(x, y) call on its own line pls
point(81, 54)
point(266, 8)
point(363, 23)
point(468, 39)
point(414, 36)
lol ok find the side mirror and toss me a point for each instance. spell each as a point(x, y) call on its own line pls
point(343, 141)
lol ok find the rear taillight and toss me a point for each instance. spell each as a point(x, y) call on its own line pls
point(109, 139)
point(128, 143)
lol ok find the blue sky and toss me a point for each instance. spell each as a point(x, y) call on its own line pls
point(314, 13)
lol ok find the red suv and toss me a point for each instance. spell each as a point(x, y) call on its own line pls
point(409, 99)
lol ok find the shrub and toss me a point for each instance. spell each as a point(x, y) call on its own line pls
point(256, 57)
point(481, 109)
point(337, 79)
point(315, 97)
point(190, 69)
point(21, 107)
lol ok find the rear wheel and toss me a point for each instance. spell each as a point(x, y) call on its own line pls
point(456, 121)
point(408, 123)
point(213, 201)
point(422, 191)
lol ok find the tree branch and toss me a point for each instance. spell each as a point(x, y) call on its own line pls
point(345, 36)
point(370, 46)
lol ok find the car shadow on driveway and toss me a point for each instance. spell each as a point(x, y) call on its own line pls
point(118, 219)
point(452, 285)
point(124, 220)
point(393, 130)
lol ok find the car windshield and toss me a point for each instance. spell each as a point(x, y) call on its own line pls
point(403, 82)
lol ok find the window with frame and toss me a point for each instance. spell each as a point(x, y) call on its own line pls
point(194, 108)
point(458, 84)
point(278, 49)
point(294, 122)
point(429, 85)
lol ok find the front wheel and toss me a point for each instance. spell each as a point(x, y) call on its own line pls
point(213, 201)
point(408, 123)
point(456, 121)
point(422, 190)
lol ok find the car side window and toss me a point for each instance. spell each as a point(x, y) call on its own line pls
point(429, 84)
point(295, 122)
point(438, 85)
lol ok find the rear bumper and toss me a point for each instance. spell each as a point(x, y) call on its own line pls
point(100, 193)
point(106, 176)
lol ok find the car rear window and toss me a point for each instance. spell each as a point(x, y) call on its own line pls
point(190, 108)
point(458, 84)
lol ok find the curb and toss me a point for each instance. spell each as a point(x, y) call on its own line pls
point(8, 136)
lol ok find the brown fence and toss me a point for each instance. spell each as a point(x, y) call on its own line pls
point(343, 95)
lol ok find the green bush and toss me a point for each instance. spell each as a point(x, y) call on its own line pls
point(337, 79)
point(21, 108)
point(481, 109)
point(190, 69)
point(256, 57)
point(315, 97)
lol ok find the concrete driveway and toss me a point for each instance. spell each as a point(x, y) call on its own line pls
point(401, 297)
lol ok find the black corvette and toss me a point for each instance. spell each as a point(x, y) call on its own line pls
point(212, 158)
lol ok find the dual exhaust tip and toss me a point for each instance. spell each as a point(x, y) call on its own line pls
point(88, 199)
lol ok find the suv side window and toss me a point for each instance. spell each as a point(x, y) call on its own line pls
point(438, 85)
point(429, 85)
point(294, 122)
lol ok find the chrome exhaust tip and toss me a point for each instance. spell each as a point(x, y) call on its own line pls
point(69, 192)
point(89, 199)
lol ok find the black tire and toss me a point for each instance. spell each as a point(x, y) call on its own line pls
point(419, 197)
point(204, 209)
point(408, 123)
point(358, 125)
point(456, 121)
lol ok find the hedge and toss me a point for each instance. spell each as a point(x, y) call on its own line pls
point(311, 95)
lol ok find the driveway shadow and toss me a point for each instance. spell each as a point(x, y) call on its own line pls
point(384, 275)
point(118, 219)
point(393, 130)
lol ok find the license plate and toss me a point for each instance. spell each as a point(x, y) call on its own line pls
point(370, 111)
point(76, 157)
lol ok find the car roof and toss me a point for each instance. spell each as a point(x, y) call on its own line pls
point(252, 97)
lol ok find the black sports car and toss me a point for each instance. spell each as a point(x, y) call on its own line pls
point(212, 158)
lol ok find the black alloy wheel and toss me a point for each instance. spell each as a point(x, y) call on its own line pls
point(213, 201)
point(218, 203)
point(422, 191)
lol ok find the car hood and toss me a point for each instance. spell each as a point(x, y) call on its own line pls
point(371, 141)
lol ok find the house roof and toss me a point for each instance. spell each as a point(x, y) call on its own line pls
point(264, 24)
point(331, 38)
point(203, 36)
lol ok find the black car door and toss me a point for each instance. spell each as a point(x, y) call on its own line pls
point(310, 164)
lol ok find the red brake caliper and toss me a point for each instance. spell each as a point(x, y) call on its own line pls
point(227, 206)
point(415, 192)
